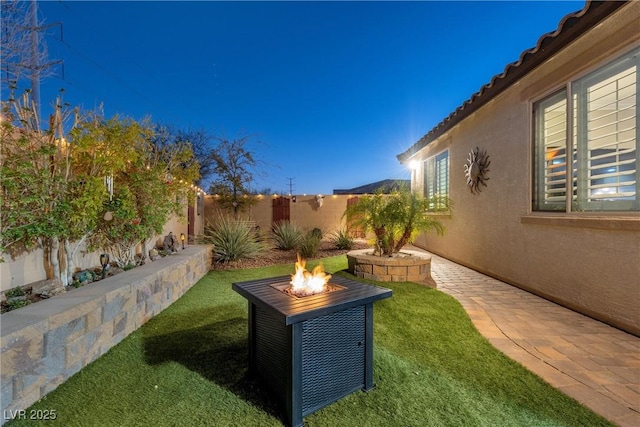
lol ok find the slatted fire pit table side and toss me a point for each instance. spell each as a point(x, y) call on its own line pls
point(313, 350)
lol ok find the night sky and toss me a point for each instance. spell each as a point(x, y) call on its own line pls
point(329, 92)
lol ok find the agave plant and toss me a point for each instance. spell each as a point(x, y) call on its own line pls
point(396, 219)
point(286, 235)
point(232, 239)
point(341, 239)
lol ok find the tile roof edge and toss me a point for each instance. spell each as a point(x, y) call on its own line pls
point(529, 59)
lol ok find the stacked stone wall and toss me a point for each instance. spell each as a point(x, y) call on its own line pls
point(408, 266)
point(45, 343)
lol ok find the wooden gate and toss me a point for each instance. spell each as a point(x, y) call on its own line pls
point(192, 221)
point(280, 210)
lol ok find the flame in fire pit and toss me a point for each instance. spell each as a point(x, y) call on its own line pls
point(305, 283)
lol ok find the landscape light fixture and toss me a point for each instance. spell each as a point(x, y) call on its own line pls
point(104, 262)
point(182, 237)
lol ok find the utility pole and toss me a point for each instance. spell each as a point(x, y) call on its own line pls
point(24, 54)
point(36, 57)
point(290, 186)
point(35, 60)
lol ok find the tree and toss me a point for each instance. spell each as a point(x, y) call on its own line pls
point(53, 183)
point(181, 169)
point(263, 190)
point(28, 177)
point(64, 180)
point(64, 172)
point(201, 144)
point(18, 56)
point(34, 181)
point(104, 149)
point(153, 186)
point(396, 219)
point(199, 140)
point(234, 166)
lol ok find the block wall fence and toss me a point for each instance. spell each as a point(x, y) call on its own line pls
point(304, 212)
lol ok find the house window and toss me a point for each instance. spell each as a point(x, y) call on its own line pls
point(597, 169)
point(436, 177)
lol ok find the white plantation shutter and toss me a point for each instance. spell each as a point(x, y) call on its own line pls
point(429, 178)
point(551, 156)
point(605, 151)
point(442, 174)
point(606, 120)
point(436, 176)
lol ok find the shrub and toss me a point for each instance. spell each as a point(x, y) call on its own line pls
point(287, 236)
point(13, 299)
point(316, 232)
point(309, 245)
point(341, 239)
point(15, 292)
point(232, 240)
point(13, 305)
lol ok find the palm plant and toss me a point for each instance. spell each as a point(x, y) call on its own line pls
point(396, 219)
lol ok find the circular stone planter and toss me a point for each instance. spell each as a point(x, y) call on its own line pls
point(407, 266)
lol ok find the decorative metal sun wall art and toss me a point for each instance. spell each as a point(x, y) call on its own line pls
point(476, 169)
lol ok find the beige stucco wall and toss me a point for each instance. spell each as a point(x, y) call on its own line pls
point(177, 225)
point(590, 263)
point(304, 212)
point(29, 267)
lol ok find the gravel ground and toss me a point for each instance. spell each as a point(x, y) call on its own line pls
point(277, 256)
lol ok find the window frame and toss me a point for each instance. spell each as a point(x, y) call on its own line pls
point(541, 203)
point(435, 178)
point(579, 176)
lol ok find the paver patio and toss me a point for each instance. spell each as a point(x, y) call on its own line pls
point(594, 363)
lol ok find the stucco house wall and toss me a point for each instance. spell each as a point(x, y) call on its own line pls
point(589, 262)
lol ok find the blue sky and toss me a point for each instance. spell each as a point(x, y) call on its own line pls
point(330, 92)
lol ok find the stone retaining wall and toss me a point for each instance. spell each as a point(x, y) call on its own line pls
point(45, 343)
point(414, 266)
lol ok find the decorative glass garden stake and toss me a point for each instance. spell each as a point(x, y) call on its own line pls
point(104, 262)
point(108, 182)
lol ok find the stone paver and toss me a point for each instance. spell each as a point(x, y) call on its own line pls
point(596, 364)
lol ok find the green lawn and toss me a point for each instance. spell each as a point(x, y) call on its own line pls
point(187, 367)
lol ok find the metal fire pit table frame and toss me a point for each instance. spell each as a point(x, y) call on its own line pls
point(314, 350)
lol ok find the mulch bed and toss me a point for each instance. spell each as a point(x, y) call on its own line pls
point(277, 256)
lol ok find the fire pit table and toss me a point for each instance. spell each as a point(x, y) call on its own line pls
point(312, 350)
